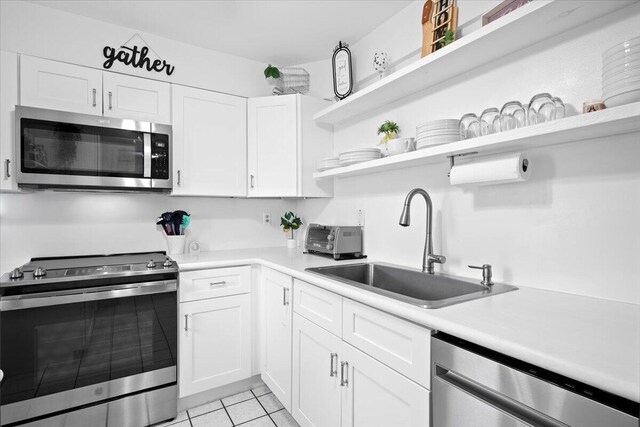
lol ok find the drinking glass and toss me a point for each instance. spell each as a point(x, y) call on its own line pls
point(560, 110)
point(512, 116)
point(490, 121)
point(469, 126)
point(541, 109)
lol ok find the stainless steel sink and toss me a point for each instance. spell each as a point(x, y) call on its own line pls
point(409, 285)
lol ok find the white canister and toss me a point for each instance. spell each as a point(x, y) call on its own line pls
point(292, 243)
point(175, 244)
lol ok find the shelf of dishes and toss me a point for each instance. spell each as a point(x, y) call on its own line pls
point(524, 27)
point(599, 124)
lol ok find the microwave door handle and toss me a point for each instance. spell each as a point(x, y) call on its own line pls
point(147, 155)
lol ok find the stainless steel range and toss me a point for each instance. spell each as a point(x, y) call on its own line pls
point(89, 341)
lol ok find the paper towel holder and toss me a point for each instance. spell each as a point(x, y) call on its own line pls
point(453, 156)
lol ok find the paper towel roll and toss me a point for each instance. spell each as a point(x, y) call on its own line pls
point(499, 169)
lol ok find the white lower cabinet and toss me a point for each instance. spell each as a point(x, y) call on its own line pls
point(276, 355)
point(215, 343)
point(316, 377)
point(375, 395)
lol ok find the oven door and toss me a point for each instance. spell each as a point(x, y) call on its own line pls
point(61, 149)
point(65, 349)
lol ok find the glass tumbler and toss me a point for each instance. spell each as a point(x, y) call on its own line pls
point(490, 121)
point(469, 126)
point(541, 109)
point(512, 116)
point(560, 110)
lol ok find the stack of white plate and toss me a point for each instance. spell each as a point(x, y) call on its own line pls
point(359, 155)
point(437, 132)
point(327, 163)
point(621, 73)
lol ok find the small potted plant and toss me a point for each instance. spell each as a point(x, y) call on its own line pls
point(290, 222)
point(272, 73)
point(392, 144)
point(390, 130)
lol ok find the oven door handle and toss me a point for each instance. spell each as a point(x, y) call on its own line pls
point(45, 299)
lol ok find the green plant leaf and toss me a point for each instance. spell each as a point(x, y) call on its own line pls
point(388, 127)
point(271, 71)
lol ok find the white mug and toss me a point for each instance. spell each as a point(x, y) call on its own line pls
point(399, 146)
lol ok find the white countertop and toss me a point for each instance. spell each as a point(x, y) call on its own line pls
point(591, 340)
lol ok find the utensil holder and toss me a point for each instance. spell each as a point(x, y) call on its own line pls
point(175, 244)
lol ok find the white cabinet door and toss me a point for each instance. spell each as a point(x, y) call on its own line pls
point(272, 146)
point(215, 343)
point(8, 101)
point(59, 86)
point(316, 375)
point(277, 309)
point(209, 143)
point(129, 97)
point(378, 396)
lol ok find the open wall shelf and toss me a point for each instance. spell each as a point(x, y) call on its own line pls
point(600, 124)
point(530, 24)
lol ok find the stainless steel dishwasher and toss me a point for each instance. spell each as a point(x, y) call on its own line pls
point(475, 386)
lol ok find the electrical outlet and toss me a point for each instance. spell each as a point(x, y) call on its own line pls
point(361, 217)
point(266, 218)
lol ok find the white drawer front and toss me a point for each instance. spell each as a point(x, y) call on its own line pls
point(203, 284)
point(322, 307)
point(397, 343)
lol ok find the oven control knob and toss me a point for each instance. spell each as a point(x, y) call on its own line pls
point(39, 272)
point(151, 264)
point(329, 246)
point(16, 274)
point(167, 263)
point(330, 237)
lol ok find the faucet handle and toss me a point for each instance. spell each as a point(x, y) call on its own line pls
point(486, 273)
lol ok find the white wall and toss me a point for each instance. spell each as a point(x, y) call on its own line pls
point(55, 223)
point(573, 227)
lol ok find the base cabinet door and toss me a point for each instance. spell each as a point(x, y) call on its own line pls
point(316, 375)
point(215, 343)
point(60, 86)
point(277, 309)
point(377, 396)
point(129, 97)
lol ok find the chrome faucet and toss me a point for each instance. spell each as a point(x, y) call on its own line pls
point(405, 220)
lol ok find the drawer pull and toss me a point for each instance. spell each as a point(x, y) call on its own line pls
point(344, 380)
point(222, 282)
point(285, 296)
point(186, 322)
point(333, 372)
point(94, 97)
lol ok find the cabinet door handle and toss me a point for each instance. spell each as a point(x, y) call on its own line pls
point(186, 322)
point(94, 97)
point(251, 184)
point(344, 379)
point(178, 177)
point(333, 372)
point(110, 103)
point(7, 171)
point(222, 282)
point(285, 294)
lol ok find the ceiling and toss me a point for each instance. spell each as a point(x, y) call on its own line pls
point(281, 32)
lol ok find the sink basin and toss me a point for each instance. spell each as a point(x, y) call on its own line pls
point(409, 285)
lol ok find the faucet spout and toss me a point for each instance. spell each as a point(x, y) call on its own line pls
point(429, 258)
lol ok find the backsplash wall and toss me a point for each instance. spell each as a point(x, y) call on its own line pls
point(573, 227)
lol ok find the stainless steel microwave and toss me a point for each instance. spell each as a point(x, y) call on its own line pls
point(57, 149)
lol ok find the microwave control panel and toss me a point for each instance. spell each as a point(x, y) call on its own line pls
point(159, 156)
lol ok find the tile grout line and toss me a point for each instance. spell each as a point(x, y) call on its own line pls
point(227, 412)
point(265, 409)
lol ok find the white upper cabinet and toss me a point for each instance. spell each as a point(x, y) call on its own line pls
point(284, 144)
point(60, 86)
point(129, 97)
point(8, 101)
point(209, 143)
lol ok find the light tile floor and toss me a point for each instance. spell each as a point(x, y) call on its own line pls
point(252, 408)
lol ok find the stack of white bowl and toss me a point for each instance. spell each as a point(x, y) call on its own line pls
point(327, 163)
point(437, 132)
point(621, 73)
point(359, 155)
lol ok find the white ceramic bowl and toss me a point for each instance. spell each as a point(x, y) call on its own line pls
point(624, 68)
point(616, 90)
point(622, 81)
point(623, 76)
point(622, 99)
point(610, 63)
point(622, 46)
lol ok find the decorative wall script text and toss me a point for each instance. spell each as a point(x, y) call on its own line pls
point(136, 58)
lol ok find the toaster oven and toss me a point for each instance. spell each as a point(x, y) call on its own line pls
point(338, 241)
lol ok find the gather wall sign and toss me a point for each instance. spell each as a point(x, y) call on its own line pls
point(138, 57)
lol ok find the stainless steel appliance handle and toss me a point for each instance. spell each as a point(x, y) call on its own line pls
point(44, 299)
point(516, 409)
point(344, 378)
point(110, 101)
point(333, 372)
point(186, 322)
point(94, 96)
point(147, 155)
point(7, 165)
